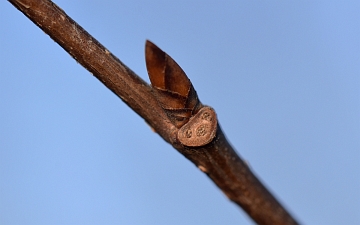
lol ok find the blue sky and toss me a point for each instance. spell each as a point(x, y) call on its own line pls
point(283, 77)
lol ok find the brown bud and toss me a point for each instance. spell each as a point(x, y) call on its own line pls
point(172, 87)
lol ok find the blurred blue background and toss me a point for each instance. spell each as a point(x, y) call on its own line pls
point(284, 78)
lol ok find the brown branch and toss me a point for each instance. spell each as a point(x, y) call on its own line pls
point(217, 159)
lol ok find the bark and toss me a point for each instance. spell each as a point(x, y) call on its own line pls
point(216, 158)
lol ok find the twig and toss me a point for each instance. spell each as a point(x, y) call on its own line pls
point(214, 156)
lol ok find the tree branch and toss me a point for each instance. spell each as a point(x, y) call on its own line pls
point(215, 157)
